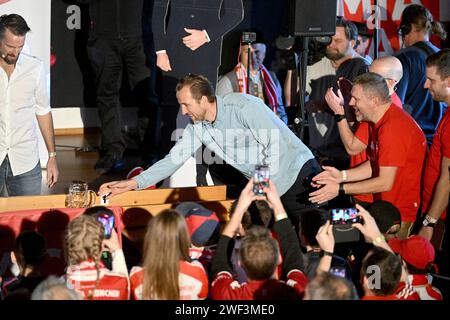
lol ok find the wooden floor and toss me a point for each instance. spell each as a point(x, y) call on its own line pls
point(75, 164)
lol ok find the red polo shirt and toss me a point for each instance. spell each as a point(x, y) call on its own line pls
point(397, 141)
point(362, 133)
point(439, 148)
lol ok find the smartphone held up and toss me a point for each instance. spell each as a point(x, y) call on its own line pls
point(107, 221)
point(261, 177)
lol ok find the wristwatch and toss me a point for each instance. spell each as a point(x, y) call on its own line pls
point(341, 189)
point(339, 117)
point(429, 221)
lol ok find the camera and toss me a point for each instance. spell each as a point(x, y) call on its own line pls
point(290, 46)
point(261, 177)
point(107, 220)
point(248, 37)
point(344, 216)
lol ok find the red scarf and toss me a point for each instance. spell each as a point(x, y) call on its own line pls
point(269, 86)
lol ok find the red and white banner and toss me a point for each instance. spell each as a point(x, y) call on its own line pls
point(388, 15)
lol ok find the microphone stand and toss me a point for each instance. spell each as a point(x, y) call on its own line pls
point(375, 31)
point(248, 68)
point(300, 119)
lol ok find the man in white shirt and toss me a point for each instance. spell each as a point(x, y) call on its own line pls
point(23, 98)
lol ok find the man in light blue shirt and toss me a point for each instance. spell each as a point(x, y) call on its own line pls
point(241, 131)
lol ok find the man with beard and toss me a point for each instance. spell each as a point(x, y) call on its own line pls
point(23, 100)
point(394, 167)
point(341, 61)
point(436, 183)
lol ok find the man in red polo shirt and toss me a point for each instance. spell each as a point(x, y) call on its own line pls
point(396, 153)
point(356, 143)
point(436, 183)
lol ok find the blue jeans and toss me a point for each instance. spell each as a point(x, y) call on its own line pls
point(25, 184)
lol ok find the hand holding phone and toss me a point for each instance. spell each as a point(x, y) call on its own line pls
point(344, 216)
point(345, 86)
point(261, 177)
point(108, 223)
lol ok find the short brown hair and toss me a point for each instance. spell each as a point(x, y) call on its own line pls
point(440, 60)
point(259, 253)
point(390, 268)
point(14, 23)
point(199, 86)
point(373, 85)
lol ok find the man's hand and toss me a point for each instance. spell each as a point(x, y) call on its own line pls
point(369, 228)
point(52, 172)
point(335, 102)
point(112, 243)
point(117, 187)
point(325, 237)
point(426, 232)
point(329, 173)
point(232, 228)
point(273, 199)
point(195, 39)
point(163, 62)
point(247, 197)
point(329, 191)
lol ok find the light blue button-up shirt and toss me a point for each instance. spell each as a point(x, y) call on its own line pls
point(245, 133)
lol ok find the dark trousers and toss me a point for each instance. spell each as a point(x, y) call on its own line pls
point(295, 200)
point(151, 112)
point(109, 58)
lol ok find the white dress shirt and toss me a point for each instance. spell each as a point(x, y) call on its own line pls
point(22, 97)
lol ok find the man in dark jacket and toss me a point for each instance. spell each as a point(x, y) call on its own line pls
point(416, 26)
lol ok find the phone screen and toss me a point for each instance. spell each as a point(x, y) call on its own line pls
point(344, 216)
point(338, 271)
point(108, 224)
point(261, 177)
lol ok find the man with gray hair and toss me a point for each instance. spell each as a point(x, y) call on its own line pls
point(54, 288)
point(396, 153)
point(390, 68)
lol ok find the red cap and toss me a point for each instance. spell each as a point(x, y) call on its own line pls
point(415, 250)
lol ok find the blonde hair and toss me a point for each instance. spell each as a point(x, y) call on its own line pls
point(83, 241)
point(166, 244)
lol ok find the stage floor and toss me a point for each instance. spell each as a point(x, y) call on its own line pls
point(79, 165)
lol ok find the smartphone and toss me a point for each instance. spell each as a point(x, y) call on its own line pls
point(261, 177)
point(345, 216)
point(338, 271)
point(346, 89)
point(108, 223)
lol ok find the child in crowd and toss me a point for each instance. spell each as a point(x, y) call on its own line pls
point(27, 257)
point(204, 230)
point(86, 273)
point(259, 255)
point(417, 254)
point(167, 272)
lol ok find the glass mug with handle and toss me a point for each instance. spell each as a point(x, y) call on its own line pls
point(79, 195)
